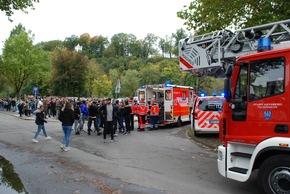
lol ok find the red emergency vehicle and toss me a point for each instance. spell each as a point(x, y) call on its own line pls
point(175, 101)
point(206, 114)
point(255, 120)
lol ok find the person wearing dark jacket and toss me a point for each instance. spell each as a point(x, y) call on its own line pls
point(66, 117)
point(109, 114)
point(127, 117)
point(40, 123)
point(78, 122)
point(93, 116)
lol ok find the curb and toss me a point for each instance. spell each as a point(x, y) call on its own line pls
point(196, 139)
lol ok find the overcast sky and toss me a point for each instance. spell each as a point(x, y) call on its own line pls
point(58, 19)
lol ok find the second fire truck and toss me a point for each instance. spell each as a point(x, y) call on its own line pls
point(175, 101)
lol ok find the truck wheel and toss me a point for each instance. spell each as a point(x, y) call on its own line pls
point(179, 122)
point(274, 175)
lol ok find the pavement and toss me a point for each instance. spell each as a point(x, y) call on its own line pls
point(211, 141)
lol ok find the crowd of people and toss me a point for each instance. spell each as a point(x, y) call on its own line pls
point(114, 116)
point(76, 114)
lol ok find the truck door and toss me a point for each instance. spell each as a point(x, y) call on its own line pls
point(259, 106)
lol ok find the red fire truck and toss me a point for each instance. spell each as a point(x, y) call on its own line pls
point(175, 101)
point(255, 120)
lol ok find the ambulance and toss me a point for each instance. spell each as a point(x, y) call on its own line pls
point(206, 114)
point(175, 102)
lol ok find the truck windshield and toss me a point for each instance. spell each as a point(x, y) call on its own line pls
point(210, 104)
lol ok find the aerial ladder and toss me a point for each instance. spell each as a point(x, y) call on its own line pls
point(212, 53)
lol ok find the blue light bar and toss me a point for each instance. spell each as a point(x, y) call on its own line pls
point(202, 94)
point(223, 94)
point(213, 94)
point(143, 86)
point(264, 44)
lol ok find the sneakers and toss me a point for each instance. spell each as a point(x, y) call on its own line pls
point(48, 138)
point(113, 140)
point(66, 149)
point(35, 141)
point(78, 133)
point(99, 133)
point(104, 141)
point(62, 147)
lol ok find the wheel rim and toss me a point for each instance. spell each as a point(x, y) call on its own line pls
point(279, 180)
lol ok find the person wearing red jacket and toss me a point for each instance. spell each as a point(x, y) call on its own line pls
point(141, 112)
point(154, 115)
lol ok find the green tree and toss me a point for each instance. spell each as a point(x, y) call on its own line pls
point(9, 6)
point(102, 86)
point(50, 45)
point(178, 35)
point(148, 45)
point(21, 60)
point(170, 72)
point(149, 74)
point(69, 70)
point(71, 42)
point(206, 15)
point(130, 82)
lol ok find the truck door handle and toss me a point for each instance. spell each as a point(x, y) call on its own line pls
point(280, 128)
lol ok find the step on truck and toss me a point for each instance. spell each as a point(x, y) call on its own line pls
point(255, 120)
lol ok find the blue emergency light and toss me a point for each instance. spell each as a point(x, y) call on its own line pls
point(143, 86)
point(213, 94)
point(202, 94)
point(223, 94)
point(264, 44)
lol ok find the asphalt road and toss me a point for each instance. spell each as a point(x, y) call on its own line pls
point(162, 161)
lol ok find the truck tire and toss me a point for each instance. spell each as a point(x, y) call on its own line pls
point(179, 122)
point(274, 175)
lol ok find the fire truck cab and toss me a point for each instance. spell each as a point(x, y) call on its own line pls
point(255, 120)
point(206, 114)
point(175, 102)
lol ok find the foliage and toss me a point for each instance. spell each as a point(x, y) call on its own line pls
point(21, 60)
point(130, 83)
point(9, 6)
point(206, 15)
point(69, 72)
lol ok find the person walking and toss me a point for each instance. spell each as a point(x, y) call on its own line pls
point(40, 124)
point(109, 113)
point(127, 116)
point(66, 117)
point(78, 122)
point(93, 115)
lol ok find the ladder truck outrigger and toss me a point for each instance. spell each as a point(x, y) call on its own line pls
point(255, 120)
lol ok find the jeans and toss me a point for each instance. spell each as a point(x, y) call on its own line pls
point(39, 127)
point(121, 124)
point(67, 132)
point(77, 124)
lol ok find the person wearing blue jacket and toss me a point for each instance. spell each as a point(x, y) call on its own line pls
point(84, 114)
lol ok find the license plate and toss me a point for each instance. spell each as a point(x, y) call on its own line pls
point(213, 121)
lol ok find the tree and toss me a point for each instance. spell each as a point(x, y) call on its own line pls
point(150, 74)
point(206, 15)
point(130, 82)
point(8, 6)
point(69, 70)
point(21, 60)
point(178, 35)
point(148, 45)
